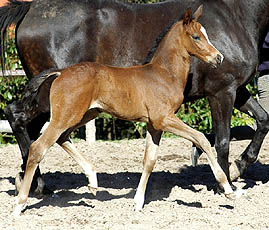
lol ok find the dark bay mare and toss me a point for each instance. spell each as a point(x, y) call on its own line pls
point(58, 33)
point(151, 93)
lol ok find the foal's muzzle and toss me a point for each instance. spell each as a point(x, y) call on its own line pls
point(217, 60)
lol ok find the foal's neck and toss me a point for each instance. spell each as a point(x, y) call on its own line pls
point(171, 54)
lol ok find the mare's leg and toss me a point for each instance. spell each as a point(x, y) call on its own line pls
point(26, 118)
point(246, 103)
point(36, 153)
point(20, 116)
point(152, 143)
point(175, 125)
point(221, 118)
point(238, 133)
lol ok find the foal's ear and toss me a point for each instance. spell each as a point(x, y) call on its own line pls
point(187, 17)
point(198, 13)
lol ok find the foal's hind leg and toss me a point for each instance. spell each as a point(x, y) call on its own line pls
point(36, 153)
point(67, 145)
point(84, 163)
point(176, 126)
point(152, 143)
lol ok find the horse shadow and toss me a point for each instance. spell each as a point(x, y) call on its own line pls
point(256, 172)
point(159, 185)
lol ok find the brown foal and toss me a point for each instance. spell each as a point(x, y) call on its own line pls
point(151, 93)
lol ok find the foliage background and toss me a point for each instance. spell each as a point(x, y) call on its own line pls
point(196, 114)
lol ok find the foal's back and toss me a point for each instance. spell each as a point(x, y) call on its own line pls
point(123, 92)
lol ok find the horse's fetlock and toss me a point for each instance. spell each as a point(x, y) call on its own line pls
point(222, 146)
point(252, 158)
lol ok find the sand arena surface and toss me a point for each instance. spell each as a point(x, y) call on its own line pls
point(178, 195)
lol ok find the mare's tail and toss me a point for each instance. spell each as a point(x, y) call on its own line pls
point(12, 13)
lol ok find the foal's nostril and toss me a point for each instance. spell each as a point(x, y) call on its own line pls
point(219, 59)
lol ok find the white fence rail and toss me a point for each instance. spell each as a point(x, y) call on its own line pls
point(90, 129)
point(12, 73)
point(5, 127)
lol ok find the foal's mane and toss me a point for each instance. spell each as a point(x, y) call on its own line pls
point(158, 41)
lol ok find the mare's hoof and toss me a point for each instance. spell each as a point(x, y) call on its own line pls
point(194, 156)
point(234, 171)
point(39, 188)
point(196, 153)
point(18, 180)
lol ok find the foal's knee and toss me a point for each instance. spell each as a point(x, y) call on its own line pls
point(149, 162)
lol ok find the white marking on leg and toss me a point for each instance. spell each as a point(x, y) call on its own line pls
point(139, 201)
point(149, 162)
point(18, 207)
point(92, 177)
point(227, 188)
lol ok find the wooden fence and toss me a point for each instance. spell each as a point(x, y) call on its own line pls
point(5, 127)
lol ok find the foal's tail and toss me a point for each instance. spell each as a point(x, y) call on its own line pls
point(37, 83)
point(12, 13)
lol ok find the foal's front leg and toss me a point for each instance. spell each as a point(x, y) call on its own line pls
point(175, 125)
point(152, 142)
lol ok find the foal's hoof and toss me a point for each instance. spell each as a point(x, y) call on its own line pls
point(236, 194)
point(93, 190)
point(139, 202)
point(19, 208)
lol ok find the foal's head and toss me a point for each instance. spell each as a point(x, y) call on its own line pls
point(196, 41)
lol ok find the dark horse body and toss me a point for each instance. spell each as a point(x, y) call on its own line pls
point(59, 33)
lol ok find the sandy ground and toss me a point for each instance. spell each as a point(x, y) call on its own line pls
point(179, 196)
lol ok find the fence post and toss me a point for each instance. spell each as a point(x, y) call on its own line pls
point(90, 131)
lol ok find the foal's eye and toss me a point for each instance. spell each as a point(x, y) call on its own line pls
point(196, 37)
